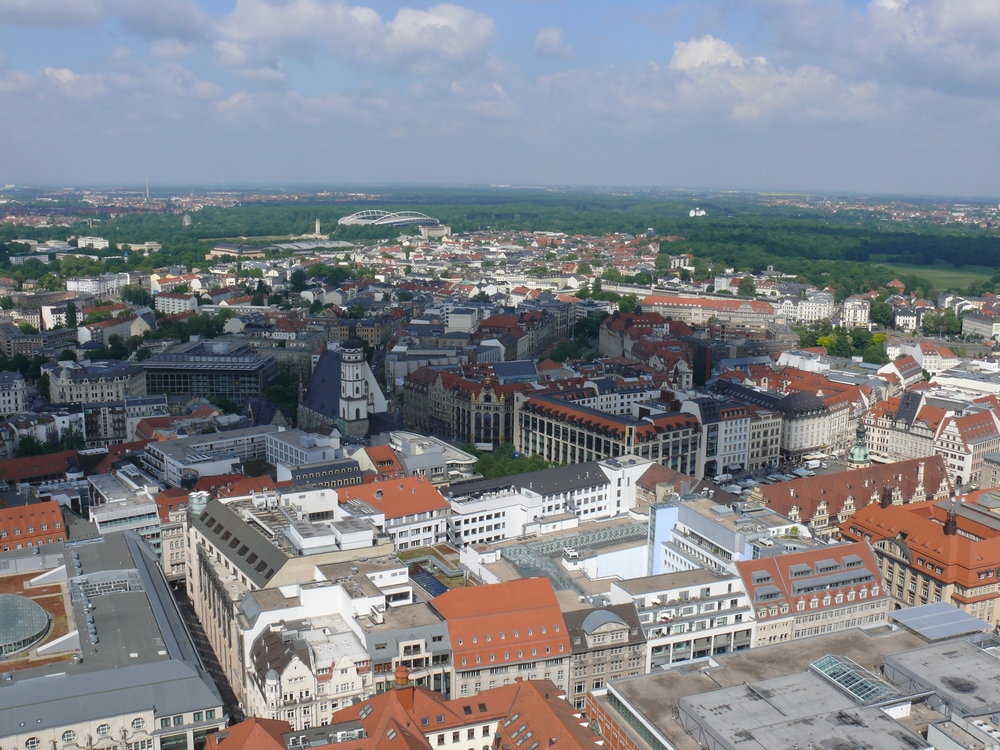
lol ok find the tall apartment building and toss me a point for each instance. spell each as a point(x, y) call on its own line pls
point(607, 644)
point(725, 426)
point(267, 540)
point(89, 382)
point(174, 304)
point(13, 393)
point(689, 615)
point(764, 451)
point(504, 631)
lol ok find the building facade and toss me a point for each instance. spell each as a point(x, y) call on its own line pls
point(607, 644)
point(567, 433)
point(689, 615)
point(934, 551)
point(89, 382)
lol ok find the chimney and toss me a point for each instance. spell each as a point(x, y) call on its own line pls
point(951, 524)
point(402, 675)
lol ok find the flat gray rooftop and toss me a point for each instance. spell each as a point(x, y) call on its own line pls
point(655, 695)
point(144, 656)
point(938, 621)
point(798, 708)
point(651, 584)
point(408, 616)
point(960, 672)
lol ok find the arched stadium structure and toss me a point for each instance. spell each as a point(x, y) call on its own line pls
point(389, 218)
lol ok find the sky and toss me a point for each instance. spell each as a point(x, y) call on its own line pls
point(887, 96)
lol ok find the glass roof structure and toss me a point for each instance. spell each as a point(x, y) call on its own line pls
point(863, 687)
point(22, 623)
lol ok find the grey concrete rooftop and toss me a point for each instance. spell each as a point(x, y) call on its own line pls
point(655, 695)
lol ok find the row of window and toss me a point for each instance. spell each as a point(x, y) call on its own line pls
point(29, 529)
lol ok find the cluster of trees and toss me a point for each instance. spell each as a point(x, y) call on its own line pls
point(575, 348)
point(946, 323)
point(284, 391)
point(503, 461)
point(626, 303)
point(840, 342)
point(71, 440)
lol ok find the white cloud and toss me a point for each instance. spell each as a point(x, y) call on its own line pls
point(258, 33)
point(237, 104)
point(705, 51)
point(549, 43)
point(61, 75)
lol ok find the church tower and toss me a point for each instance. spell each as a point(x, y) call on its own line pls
point(859, 457)
point(353, 407)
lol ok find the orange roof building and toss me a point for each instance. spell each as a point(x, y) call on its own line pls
point(568, 433)
point(31, 525)
point(826, 500)
point(801, 594)
point(252, 734)
point(415, 718)
point(410, 510)
point(504, 630)
point(938, 550)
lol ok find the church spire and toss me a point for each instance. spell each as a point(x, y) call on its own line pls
point(859, 457)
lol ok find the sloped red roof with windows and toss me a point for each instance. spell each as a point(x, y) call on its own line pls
point(503, 622)
point(864, 485)
point(783, 579)
point(31, 525)
point(920, 526)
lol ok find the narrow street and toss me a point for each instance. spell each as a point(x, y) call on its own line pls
point(208, 656)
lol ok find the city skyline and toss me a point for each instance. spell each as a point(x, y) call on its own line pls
point(882, 97)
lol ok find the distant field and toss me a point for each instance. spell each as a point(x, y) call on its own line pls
point(943, 277)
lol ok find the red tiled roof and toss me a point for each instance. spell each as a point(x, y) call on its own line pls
point(22, 524)
point(864, 485)
point(504, 622)
point(397, 497)
point(33, 468)
point(960, 557)
point(252, 734)
point(774, 572)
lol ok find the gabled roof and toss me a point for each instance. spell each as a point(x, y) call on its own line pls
point(254, 555)
point(802, 576)
point(252, 734)
point(506, 622)
point(864, 485)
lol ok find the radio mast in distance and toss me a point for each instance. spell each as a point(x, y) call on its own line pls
point(147, 187)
